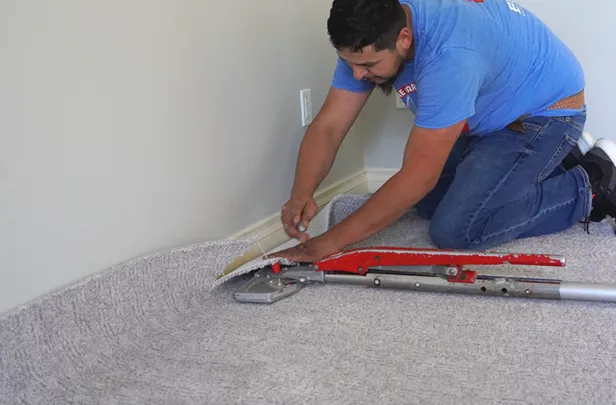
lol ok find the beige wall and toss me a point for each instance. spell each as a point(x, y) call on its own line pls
point(110, 116)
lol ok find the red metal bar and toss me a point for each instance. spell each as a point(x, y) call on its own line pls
point(359, 260)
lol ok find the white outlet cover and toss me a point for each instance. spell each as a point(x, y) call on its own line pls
point(306, 106)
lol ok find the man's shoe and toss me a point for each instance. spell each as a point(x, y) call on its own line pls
point(584, 144)
point(600, 164)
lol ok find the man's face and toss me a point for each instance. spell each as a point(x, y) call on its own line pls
point(380, 67)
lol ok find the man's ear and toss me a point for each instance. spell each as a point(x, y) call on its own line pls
point(405, 40)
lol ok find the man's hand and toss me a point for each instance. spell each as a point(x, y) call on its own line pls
point(296, 212)
point(312, 250)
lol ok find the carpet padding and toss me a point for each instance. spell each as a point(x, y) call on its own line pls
point(151, 331)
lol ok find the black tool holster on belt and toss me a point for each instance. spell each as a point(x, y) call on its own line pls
point(518, 125)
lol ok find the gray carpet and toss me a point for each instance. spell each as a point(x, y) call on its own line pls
point(150, 331)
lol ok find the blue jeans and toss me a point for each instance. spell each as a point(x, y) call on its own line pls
point(509, 185)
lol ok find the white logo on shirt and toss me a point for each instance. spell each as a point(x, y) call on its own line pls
point(513, 7)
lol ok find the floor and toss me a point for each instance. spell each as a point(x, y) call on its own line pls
point(152, 331)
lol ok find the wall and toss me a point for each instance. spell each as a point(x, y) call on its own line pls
point(386, 130)
point(585, 29)
point(130, 126)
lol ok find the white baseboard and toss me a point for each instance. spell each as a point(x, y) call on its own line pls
point(362, 182)
point(269, 231)
point(377, 176)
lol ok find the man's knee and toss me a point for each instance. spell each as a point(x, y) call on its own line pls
point(448, 231)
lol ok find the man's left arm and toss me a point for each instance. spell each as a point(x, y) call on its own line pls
point(425, 155)
point(447, 89)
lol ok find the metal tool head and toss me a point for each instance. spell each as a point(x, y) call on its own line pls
point(267, 287)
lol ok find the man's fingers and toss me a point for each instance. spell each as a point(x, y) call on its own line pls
point(297, 214)
point(289, 221)
point(309, 213)
point(292, 230)
point(298, 255)
point(296, 219)
point(286, 214)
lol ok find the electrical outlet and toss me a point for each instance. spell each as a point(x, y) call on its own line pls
point(306, 104)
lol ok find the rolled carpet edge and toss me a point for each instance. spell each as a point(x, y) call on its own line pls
point(259, 249)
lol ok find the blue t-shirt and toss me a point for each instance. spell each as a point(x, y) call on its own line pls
point(489, 62)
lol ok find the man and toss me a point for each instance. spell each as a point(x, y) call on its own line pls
point(499, 107)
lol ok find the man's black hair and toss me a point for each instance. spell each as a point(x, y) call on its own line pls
point(354, 24)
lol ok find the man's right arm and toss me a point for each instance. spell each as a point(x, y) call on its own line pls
point(323, 138)
point(317, 153)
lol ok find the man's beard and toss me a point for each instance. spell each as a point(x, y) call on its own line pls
point(387, 87)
